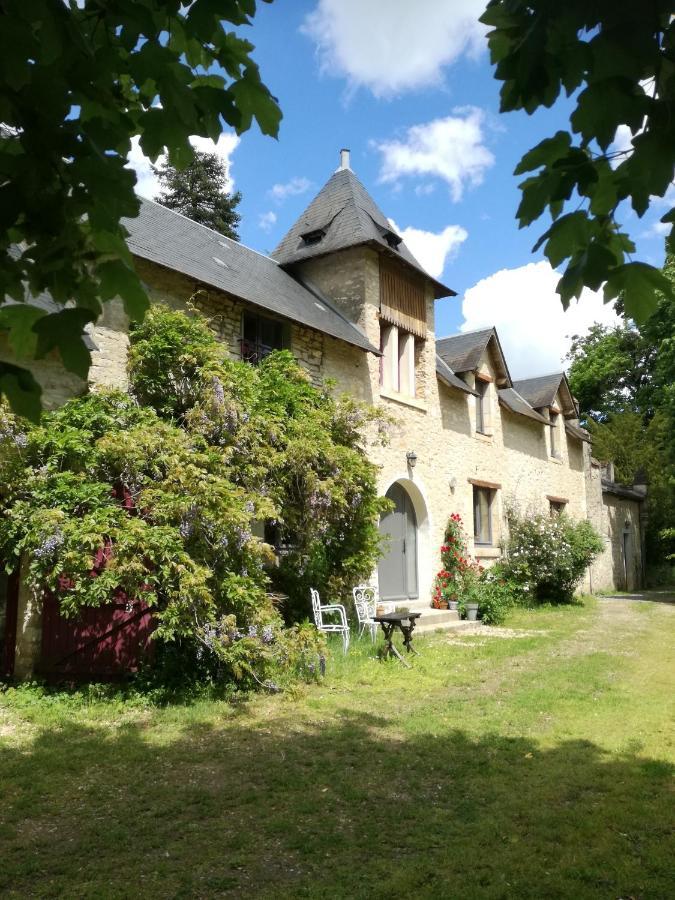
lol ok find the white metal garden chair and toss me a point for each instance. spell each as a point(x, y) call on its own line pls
point(365, 603)
point(341, 627)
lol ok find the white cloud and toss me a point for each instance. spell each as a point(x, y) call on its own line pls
point(432, 250)
point(451, 148)
point(533, 328)
point(392, 46)
point(148, 183)
point(267, 220)
point(297, 185)
point(423, 190)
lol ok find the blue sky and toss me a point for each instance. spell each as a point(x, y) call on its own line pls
point(408, 88)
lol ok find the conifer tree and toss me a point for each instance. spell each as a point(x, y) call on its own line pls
point(200, 192)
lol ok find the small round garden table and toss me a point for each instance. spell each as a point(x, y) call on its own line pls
point(405, 622)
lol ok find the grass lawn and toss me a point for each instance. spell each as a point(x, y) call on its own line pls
point(537, 765)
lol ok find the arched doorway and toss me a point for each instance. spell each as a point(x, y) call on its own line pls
point(397, 570)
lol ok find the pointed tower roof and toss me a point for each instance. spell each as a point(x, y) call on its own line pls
point(343, 214)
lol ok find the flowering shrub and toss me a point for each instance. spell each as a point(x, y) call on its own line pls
point(455, 559)
point(279, 437)
point(110, 498)
point(547, 556)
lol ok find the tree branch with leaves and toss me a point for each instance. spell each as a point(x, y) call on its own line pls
point(617, 58)
point(78, 80)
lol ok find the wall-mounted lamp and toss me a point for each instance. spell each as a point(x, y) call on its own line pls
point(411, 458)
point(453, 484)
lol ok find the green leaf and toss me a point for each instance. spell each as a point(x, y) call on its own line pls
point(545, 153)
point(605, 105)
point(64, 331)
point(22, 391)
point(565, 237)
point(638, 285)
point(118, 280)
point(253, 99)
point(19, 320)
point(603, 192)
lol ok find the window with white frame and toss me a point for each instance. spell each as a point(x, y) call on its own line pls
point(397, 365)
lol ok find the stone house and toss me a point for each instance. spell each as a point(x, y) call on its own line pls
point(345, 295)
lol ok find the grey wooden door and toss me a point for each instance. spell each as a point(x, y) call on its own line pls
point(397, 571)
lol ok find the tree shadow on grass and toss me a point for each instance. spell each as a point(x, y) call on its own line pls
point(332, 809)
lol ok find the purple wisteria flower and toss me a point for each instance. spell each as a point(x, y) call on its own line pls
point(267, 634)
point(49, 546)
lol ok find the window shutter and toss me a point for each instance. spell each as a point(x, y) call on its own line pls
point(402, 300)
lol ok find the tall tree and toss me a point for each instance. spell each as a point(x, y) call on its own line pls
point(618, 58)
point(612, 371)
point(78, 80)
point(200, 192)
point(624, 380)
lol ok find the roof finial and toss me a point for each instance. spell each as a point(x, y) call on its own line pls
point(344, 158)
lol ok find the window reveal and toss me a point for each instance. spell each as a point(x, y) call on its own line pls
point(482, 405)
point(397, 364)
point(482, 515)
point(260, 337)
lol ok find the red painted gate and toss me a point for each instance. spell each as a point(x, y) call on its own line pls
point(103, 642)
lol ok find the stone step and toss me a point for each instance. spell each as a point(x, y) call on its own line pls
point(437, 615)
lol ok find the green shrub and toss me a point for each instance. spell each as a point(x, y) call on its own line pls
point(547, 557)
point(497, 594)
point(156, 496)
point(281, 438)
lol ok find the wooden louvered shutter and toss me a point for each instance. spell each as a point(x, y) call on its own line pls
point(402, 300)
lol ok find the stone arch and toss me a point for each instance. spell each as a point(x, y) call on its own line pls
point(415, 496)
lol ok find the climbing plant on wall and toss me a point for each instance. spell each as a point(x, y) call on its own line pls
point(156, 497)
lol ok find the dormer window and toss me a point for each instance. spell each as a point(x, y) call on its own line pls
point(313, 237)
point(392, 239)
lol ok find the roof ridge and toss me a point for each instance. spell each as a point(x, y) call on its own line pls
point(457, 334)
point(560, 372)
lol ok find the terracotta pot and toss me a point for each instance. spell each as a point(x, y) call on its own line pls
point(443, 604)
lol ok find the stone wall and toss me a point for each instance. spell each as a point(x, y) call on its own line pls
point(439, 425)
point(28, 630)
point(619, 566)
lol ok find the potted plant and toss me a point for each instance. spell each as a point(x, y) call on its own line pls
point(470, 591)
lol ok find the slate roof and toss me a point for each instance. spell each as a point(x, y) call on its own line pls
point(347, 216)
point(171, 240)
point(462, 352)
point(578, 432)
point(622, 490)
point(541, 391)
point(447, 376)
point(511, 399)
